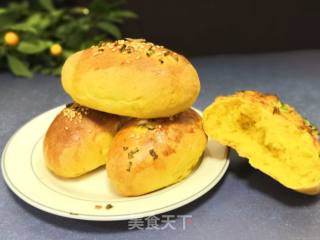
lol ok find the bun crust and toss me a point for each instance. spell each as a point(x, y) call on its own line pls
point(147, 155)
point(132, 78)
point(78, 140)
point(271, 134)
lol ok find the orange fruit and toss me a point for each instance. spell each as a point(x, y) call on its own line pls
point(56, 49)
point(11, 39)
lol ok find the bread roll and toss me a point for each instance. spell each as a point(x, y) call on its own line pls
point(147, 155)
point(132, 78)
point(78, 140)
point(271, 134)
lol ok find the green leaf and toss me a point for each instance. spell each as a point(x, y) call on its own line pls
point(23, 27)
point(18, 67)
point(83, 23)
point(33, 19)
point(6, 21)
point(64, 30)
point(2, 50)
point(122, 14)
point(67, 53)
point(32, 47)
point(46, 4)
point(37, 68)
point(20, 7)
point(46, 70)
point(110, 28)
point(38, 20)
point(116, 4)
point(98, 6)
point(80, 10)
point(56, 71)
point(55, 16)
point(3, 10)
point(73, 41)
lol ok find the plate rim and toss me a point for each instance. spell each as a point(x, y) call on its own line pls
point(117, 217)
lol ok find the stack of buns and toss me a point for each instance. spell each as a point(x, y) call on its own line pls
point(132, 112)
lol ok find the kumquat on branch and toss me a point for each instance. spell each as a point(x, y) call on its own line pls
point(37, 36)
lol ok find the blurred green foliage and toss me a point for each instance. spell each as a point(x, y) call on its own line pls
point(39, 24)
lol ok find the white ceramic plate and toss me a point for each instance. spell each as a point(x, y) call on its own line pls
point(26, 175)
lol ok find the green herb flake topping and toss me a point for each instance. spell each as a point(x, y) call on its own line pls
point(132, 152)
point(310, 125)
point(153, 153)
point(129, 166)
point(125, 148)
point(283, 107)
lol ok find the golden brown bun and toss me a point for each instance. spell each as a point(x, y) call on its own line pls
point(131, 78)
point(78, 140)
point(147, 155)
point(271, 134)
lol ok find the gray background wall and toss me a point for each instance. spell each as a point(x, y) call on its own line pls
point(227, 26)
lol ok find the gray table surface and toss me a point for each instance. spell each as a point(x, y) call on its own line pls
point(245, 205)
